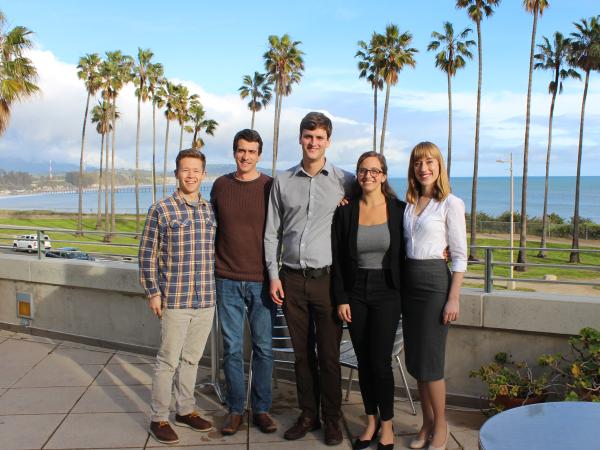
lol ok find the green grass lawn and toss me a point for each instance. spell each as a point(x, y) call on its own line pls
point(552, 257)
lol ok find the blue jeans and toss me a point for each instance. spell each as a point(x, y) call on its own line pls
point(233, 298)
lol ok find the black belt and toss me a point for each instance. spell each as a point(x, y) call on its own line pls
point(309, 272)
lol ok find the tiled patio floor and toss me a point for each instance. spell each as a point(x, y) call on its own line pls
point(63, 395)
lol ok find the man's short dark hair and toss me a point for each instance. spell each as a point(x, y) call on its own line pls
point(190, 153)
point(249, 136)
point(314, 120)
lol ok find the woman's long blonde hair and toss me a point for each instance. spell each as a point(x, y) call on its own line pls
point(442, 184)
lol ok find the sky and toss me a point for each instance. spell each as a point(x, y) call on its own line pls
point(209, 46)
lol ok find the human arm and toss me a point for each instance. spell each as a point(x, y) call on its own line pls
point(272, 243)
point(457, 243)
point(452, 307)
point(338, 255)
point(148, 261)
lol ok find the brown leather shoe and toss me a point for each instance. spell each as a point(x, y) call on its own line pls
point(162, 432)
point(232, 424)
point(333, 432)
point(193, 421)
point(302, 426)
point(264, 422)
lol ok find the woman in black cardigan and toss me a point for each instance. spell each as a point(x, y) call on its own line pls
point(368, 252)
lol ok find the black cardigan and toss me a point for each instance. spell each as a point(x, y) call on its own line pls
point(345, 255)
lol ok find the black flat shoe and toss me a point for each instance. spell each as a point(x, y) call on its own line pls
point(360, 445)
point(381, 446)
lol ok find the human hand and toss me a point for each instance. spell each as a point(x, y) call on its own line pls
point(344, 201)
point(276, 292)
point(155, 304)
point(450, 311)
point(446, 254)
point(344, 313)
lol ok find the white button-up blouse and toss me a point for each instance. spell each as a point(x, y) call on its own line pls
point(440, 225)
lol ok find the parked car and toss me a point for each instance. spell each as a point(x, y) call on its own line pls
point(29, 242)
point(69, 253)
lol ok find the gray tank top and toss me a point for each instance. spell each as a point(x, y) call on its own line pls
point(372, 241)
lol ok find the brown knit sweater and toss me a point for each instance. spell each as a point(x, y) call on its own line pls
point(241, 210)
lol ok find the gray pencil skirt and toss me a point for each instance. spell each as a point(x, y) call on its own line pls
point(426, 284)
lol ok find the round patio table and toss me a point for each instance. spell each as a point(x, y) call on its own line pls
point(544, 426)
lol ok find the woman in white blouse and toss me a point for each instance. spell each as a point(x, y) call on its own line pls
point(433, 220)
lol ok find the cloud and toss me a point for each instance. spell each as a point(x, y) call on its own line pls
point(49, 126)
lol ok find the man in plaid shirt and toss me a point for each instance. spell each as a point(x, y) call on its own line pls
point(176, 259)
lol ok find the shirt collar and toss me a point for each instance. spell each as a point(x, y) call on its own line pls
point(180, 199)
point(327, 168)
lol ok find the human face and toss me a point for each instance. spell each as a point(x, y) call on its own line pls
point(246, 156)
point(369, 182)
point(427, 171)
point(314, 143)
point(190, 174)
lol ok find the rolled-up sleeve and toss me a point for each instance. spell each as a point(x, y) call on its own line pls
point(273, 230)
point(148, 254)
point(457, 233)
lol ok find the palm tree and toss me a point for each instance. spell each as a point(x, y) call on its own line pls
point(586, 56)
point(284, 64)
point(155, 81)
point(88, 72)
point(140, 79)
point(552, 56)
point(183, 99)
point(17, 73)
point(167, 93)
point(369, 66)
point(102, 115)
point(258, 88)
point(116, 71)
point(449, 60)
point(199, 123)
point(535, 7)
point(395, 55)
point(477, 10)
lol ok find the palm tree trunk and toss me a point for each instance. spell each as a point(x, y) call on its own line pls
point(100, 173)
point(385, 114)
point(164, 181)
point(472, 248)
point(541, 253)
point(106, 210)
point(113, 191)
point(195, 137)
point(252, 122)
point(153, 152)
point(522, 256)
point(137, 169)
point(449, 123)
point(574, 258)
point(375, 118)
point(181, 136)
point(81, 158)
point(275, 130)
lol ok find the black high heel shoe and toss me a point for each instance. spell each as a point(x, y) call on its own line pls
point(360, 445)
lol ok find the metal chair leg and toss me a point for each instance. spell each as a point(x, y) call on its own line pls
point(249, 388)
point(408, 395)
point(349, 386)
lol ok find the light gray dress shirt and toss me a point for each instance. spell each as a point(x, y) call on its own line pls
point(301, 207)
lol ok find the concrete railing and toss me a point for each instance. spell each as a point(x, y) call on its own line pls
point(102, 303)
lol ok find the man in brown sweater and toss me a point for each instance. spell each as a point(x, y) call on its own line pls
point(239, 200)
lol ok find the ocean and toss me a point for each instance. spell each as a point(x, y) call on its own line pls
point(493, 197)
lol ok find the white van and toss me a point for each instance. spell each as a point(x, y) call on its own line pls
point(29, 242)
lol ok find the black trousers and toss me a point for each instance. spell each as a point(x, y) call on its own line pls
point(311, 318)
point(375, 308)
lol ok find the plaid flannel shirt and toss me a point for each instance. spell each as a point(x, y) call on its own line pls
point(177, 255)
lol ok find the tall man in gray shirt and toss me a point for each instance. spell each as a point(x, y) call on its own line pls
point(298, 235)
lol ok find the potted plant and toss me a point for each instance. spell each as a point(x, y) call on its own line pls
point(580, 368)
point(511, 384)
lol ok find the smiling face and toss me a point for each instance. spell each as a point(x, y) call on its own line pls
point(370, 175)
point(427, 171)
point(246, 157)
point(190, 174)
point(314, 143)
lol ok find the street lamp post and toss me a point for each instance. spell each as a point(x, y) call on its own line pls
point(511, 284)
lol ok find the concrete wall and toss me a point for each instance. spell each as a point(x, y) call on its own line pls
point(102, 303)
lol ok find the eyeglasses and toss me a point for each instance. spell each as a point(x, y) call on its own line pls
point(373, 172)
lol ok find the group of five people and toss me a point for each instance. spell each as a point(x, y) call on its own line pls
point(325, 245)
